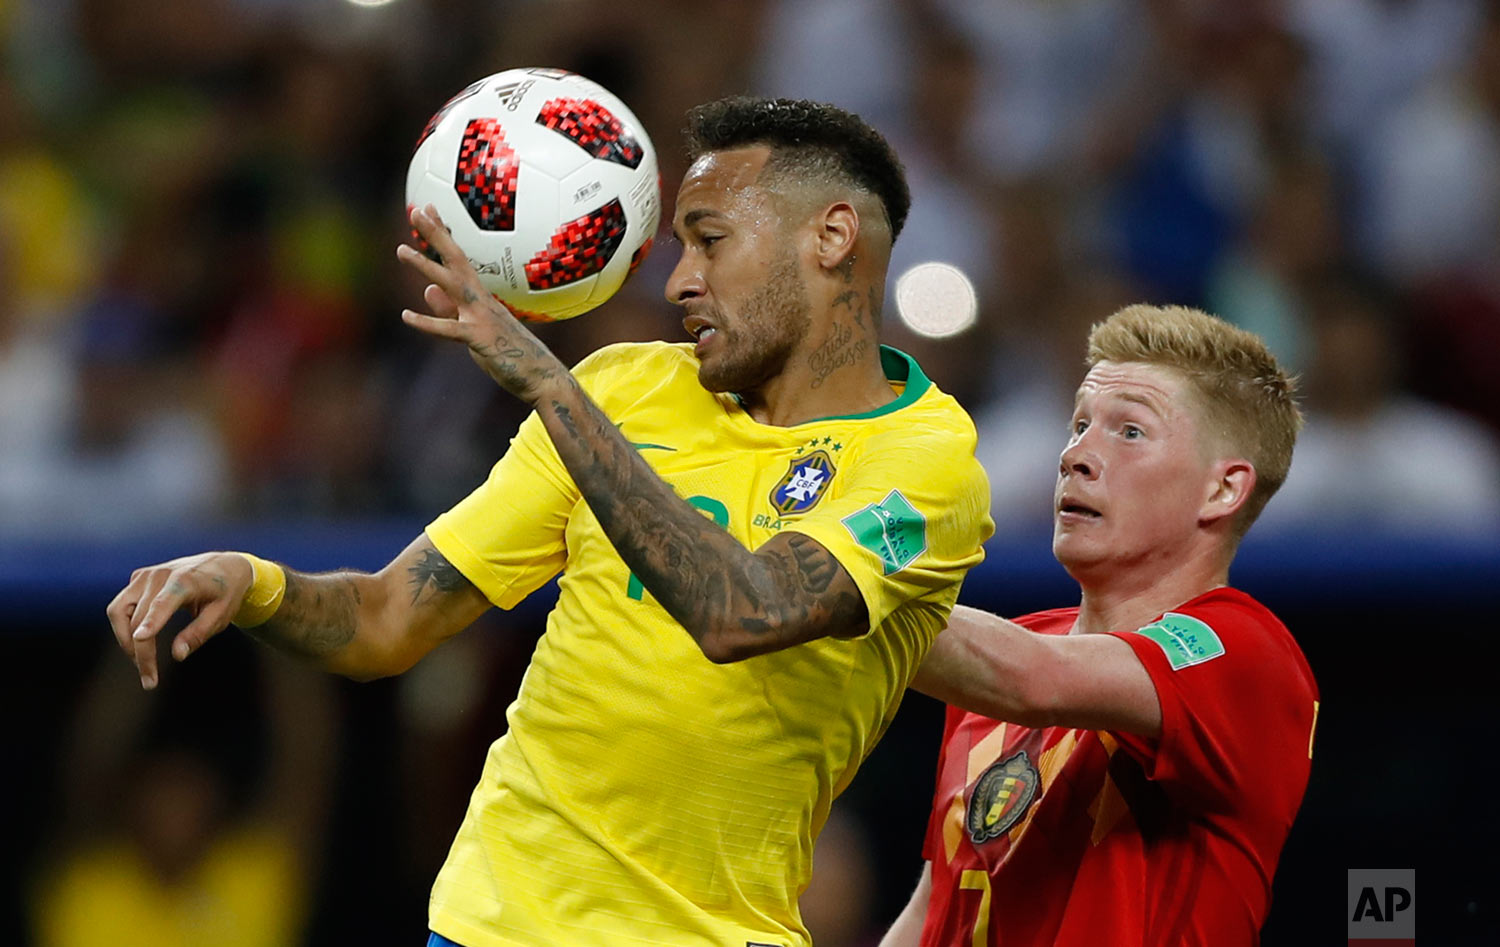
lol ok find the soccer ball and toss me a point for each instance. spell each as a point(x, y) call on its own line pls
point(548, 184)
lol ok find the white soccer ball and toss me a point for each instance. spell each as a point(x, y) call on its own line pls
point(548, 184)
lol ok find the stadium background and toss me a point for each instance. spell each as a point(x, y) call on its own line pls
point(199, 347)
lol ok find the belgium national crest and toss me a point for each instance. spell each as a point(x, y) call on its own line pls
point(1001, 797)
point(803, 484)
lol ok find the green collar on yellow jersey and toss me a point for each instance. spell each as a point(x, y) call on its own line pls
point(898, 367)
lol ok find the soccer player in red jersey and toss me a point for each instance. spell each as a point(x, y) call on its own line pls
point(1126, 771)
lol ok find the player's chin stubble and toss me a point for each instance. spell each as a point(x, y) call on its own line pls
point(768, 328)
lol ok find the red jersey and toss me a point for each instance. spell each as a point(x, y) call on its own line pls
point(1082, 837)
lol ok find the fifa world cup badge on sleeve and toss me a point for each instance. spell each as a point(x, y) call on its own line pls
point(1185, 640)
point(892, 529)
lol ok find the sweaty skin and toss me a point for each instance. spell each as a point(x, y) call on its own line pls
point(733, 602)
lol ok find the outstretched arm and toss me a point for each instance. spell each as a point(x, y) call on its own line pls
point(907, 929)
point(990, 666)
point(357, 624)
point(733, 602)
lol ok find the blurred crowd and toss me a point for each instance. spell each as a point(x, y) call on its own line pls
point(200, 199)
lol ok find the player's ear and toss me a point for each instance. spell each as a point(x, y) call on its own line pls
point(1232, 483)
point(837, 231)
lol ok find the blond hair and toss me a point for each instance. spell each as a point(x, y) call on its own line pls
point(1247, 401)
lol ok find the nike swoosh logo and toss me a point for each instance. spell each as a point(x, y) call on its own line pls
point(642, 446)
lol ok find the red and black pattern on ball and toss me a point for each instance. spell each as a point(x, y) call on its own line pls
point(432, 123)
point(638, 257)
point(486, 176)
point(579, 248)
point(593, 128)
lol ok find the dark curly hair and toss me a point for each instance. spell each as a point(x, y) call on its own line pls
point(808, 137)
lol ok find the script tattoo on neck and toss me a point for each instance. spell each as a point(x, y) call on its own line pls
point(843, 346)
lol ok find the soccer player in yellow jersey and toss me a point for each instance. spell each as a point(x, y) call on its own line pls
point(760, 534)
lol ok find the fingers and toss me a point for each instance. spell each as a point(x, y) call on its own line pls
point(165, 593)
point(441, 304)
point(429, 224)
point(437, 272)
point(121, 609)
point(211, 620)
point(439, 294)
point(143, 654)
point(145, 661)
point(432, 325)
point(461, 308)
point(161, 598)
point(211, 584)
point(451, 269)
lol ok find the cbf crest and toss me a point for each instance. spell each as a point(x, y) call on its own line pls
point(804, 483)
point(1001, 797)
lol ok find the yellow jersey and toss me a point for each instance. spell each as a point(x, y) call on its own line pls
point(248, 890)
point(644, 795)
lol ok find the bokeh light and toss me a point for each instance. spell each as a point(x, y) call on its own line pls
point(936, 300)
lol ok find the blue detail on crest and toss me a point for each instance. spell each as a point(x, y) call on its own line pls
point(803, 484)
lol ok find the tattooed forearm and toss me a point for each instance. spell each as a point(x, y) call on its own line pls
point(565, 417)
point(807, 585)
point(815, 567)
point(435, 570)
point(509, 354)
point(317, 615)
point(519, 364)
point(735, 603)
